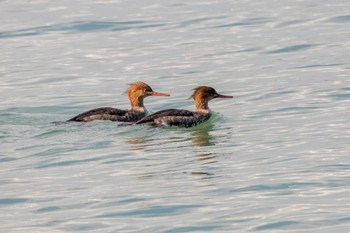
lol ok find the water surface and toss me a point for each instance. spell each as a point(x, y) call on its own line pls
point(275, 158)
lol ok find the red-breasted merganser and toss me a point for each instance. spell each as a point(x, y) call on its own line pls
point(136, 92)
point(185, 118)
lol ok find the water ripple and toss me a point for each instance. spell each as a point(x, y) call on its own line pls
point(80, 26)
point(205, 228)
point(318, 66)
point(341, 19)
point(152, 211)
point(276, 225)
point(247, 22)
point(67, 163)
point(12, 201)
point(293, 48)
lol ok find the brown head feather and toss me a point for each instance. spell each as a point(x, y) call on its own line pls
point(203, 94)
point(138, 86)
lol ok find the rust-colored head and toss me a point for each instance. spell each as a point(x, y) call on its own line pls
point(138, 91)
point(207, 93)
point(203, 94)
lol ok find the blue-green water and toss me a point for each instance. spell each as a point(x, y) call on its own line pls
point(273, 159)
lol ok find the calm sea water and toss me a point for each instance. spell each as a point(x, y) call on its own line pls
point(273, 159)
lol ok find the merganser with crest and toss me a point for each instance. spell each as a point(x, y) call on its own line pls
point(136, 93)
point(185, 118)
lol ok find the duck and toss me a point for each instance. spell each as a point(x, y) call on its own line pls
point(136, 92)
point(182, 117)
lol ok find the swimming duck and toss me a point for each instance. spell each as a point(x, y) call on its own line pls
point(136, 93)
point(185, 118)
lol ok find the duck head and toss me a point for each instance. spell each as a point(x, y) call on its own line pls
point(203, 94)
point(137, 92)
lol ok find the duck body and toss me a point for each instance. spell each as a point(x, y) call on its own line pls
point(112, 114)
point(137, 92)
point(185, 118)
point(175, 117)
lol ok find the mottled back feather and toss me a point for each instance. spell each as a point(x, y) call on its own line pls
point(112, 114)
point(166, 112)
point(175, 117)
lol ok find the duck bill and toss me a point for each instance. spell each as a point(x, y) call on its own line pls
point(153, 93)
point(223, 96)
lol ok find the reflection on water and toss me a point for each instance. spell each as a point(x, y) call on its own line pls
point(201, 135)
point(139, 143)
point(205, 156)
point(198, 139)
point(202, 173)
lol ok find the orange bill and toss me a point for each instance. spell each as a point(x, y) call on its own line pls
point(153, 93)
point(223, 96)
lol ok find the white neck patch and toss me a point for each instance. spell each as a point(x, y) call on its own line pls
point(204, 110)
point(139, 109)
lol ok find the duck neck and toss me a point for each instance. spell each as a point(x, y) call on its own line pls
point(202, 106)
point(137, 104)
